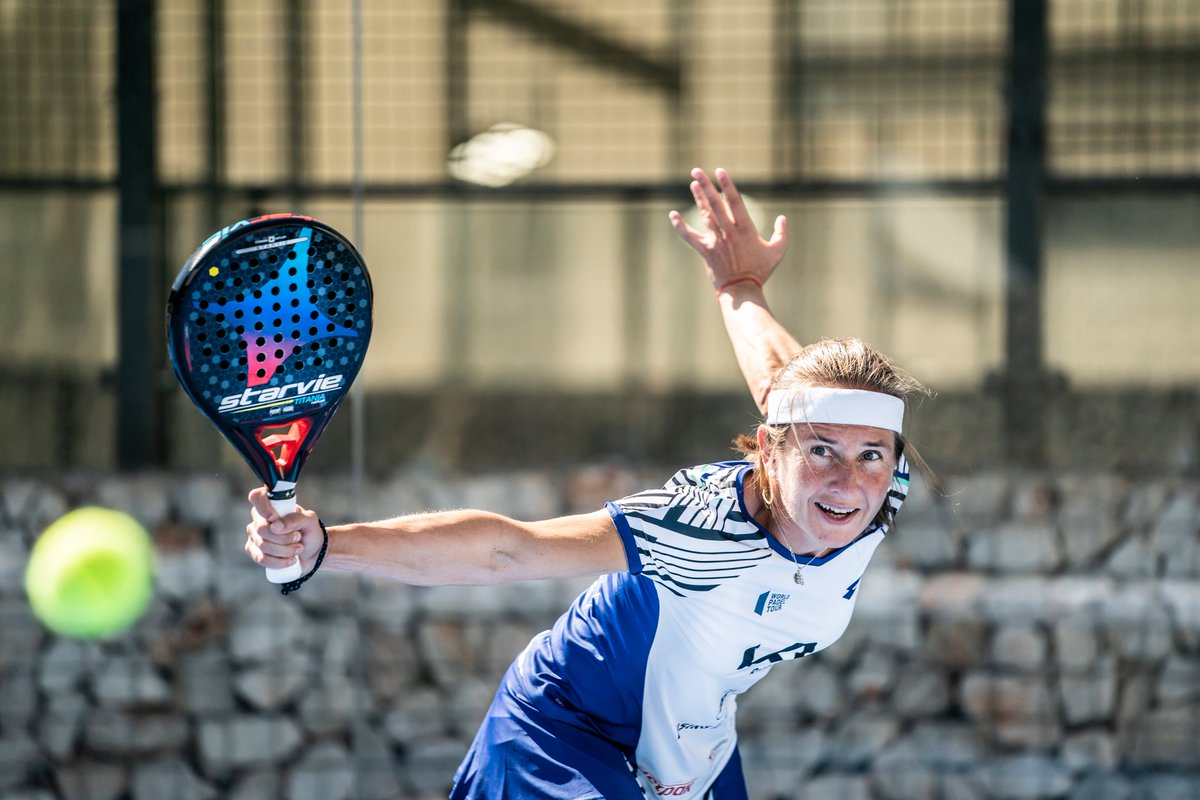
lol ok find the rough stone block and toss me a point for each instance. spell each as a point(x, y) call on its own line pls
point(324, 772)
point(1162, 738)
point(1090, 751)
point(171, 778)
point(129, 681)
point(1015, 547)
point(269, 687)
point(920, 691)
point(1025, 777)
point(1089, 516)
point(242, 741)
point(263, 630)
point(1019, 646)
point(952, 595)
point(134, 735)
point(1076, 643)
point(430, 764)
point(956, 643)
point(1089, 697)
point(92, 780)
point(1103, 786)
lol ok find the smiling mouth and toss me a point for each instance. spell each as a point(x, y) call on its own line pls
point(835, 512)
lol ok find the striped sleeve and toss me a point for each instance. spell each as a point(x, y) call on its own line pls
point(691, 535)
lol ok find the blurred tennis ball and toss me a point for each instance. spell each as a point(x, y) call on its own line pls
point(91, 573)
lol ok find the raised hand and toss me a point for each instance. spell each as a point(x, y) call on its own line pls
point(732, 250)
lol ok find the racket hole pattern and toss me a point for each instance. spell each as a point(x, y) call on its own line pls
point(317, 361)
point(241, 376)
point(262, 373)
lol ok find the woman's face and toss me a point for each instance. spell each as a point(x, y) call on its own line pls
point(829, 482)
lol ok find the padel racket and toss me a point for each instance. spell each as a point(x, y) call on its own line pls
point(267, 327)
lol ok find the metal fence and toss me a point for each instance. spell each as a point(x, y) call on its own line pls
point(1004, 196)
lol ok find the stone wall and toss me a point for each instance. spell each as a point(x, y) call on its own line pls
point(1027, 636)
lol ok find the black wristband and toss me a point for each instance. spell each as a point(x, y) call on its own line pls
point(291, 586)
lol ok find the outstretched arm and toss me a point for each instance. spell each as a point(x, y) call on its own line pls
point(739, 262)
point(443, 548)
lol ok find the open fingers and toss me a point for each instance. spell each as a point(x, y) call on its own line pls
point(733, 198)
point(686, 232)
point(708, 200)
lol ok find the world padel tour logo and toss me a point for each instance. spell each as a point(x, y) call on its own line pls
point(769, 602)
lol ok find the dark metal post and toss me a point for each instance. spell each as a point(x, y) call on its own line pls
point(214, 86)
point(139, 313)
point(1025, 384)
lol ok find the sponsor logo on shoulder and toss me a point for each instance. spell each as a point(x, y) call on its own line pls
point(299, 393)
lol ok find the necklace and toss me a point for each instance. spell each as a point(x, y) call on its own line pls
point(799, 576)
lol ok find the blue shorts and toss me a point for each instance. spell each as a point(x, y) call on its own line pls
point(522, 752)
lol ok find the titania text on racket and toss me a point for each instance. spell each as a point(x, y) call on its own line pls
point(703, 584)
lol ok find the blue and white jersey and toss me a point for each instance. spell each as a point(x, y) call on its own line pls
point(654, 659)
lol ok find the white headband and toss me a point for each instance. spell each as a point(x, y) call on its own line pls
point(835, 406)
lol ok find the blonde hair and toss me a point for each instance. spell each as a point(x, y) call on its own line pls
point(839, 364)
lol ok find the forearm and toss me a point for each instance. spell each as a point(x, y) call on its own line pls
point(467, 548)
point(761, 345)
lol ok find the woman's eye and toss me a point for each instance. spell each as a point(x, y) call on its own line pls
point(819, 450)
point(872, 455)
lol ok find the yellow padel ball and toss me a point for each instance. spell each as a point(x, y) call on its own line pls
point(91, 573)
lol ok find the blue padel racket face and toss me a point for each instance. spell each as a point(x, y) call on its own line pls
point(267, 327)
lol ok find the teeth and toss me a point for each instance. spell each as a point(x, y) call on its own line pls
point(837, 512)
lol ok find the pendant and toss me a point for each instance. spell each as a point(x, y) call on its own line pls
point(798, 577)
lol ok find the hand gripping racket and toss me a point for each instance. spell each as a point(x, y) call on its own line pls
point(267, 326)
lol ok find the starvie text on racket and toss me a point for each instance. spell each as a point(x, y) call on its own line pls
point(252, 397)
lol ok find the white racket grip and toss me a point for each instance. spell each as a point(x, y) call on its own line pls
point(282, 508)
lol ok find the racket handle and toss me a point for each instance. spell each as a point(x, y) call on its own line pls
point(284, 507)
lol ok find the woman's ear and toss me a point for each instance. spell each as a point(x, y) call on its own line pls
point(763, 438)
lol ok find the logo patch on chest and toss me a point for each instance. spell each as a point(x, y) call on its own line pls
point(769, 602)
